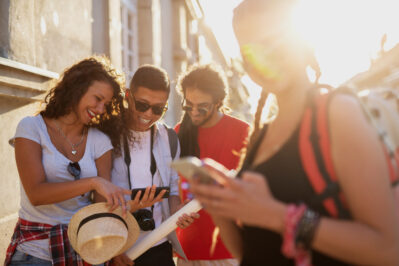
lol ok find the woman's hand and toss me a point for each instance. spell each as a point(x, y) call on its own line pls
point(147, 200)
point(248, 200)
point(113, 194)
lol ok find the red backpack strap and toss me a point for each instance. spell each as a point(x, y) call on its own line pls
point(395, 181)
point(315, 153)
point(393, 165)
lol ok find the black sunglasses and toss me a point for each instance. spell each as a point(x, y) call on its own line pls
point(143, 107)
point(74, 170)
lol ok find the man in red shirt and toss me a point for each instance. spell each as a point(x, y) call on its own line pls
point(207, 132)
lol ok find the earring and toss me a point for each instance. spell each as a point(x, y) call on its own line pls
point(125, 101)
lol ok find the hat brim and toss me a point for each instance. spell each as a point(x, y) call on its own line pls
point(133, 227)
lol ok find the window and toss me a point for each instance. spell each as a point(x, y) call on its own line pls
point(129, 37)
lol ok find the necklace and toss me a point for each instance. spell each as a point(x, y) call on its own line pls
point(73, 145)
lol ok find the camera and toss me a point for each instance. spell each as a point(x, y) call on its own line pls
point(145, 219)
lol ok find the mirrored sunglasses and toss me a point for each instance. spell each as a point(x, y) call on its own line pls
point(258, 59)
point(201, 110)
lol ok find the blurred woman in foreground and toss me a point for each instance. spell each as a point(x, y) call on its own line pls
point(274, 201)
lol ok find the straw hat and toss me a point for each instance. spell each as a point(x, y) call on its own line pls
point(98, 235)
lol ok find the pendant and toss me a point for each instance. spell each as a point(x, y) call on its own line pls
point(73, 152)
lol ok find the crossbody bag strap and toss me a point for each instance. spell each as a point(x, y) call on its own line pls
point(128, 160)
point(153, 166)
point(173, 141)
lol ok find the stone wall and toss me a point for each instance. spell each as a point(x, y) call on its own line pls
point(48, 34)
point(21, 89)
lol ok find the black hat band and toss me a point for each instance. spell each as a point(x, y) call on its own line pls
point(100, 215)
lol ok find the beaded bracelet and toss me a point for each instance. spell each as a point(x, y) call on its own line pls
point(289, 249)
point(306, 229)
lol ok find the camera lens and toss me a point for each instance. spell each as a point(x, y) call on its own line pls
point(145, 219)
point(147, 224)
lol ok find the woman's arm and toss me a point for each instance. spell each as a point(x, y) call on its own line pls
point(174, 203)
point(104, 166)
point(28, 155)
point(372, 238)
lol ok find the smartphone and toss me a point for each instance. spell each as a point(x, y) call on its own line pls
point(157, 191)
point(191, 167)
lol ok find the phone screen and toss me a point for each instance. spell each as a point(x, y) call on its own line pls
point(157, 191)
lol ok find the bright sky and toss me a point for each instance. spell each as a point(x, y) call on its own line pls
point(345, 34)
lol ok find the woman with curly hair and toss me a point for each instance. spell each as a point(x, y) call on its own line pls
point(62, 156)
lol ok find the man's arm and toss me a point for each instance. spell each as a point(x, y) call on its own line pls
point(230, 234)
point(174, 204)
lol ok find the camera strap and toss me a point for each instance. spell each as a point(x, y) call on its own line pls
point(128, 160)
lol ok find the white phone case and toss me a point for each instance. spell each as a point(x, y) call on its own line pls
point(191, 167)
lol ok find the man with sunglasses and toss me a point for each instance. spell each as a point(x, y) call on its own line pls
point(149, 154)
point(207, 132)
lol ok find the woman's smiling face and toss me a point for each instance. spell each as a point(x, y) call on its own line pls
point(94, 101)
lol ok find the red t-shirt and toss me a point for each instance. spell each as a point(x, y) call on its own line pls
point(222, 143)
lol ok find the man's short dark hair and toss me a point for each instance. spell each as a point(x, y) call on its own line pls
point(151, 77)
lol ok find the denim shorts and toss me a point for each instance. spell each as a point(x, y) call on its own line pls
point(20, 258)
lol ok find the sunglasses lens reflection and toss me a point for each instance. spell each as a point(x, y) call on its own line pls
point(201, 111)
point(142, 107)
point(157, 110)
point(187, 108)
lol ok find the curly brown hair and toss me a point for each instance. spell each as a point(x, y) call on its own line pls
point(64, 97)
point(209, 79)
